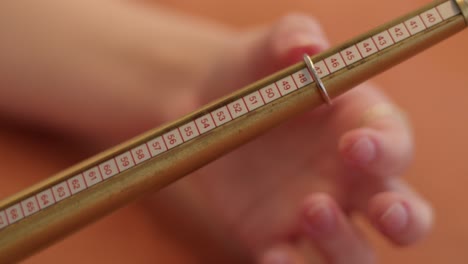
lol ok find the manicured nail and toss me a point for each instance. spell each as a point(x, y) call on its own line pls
point(277, 257)
point(362, 151)
point(395, 219)
point(320, 219)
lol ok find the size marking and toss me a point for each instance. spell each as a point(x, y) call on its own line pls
point(172, 139)
point(14, 213)
point(270, 93)
point(205, 123)
point(431, 17)
point(415, 25)
point(77, 184)
point(321, 69)
point(3, 220)
point(92, 176)
point(108, 169)
point(335, 63)
point(399, 33)
point(237, 108)
point(254, 101)
point(140, 153)
point(448, 10)
point(60, 191)
point(286, 85)
point(45, 198)
point(124, 161)
point(30, 206)
point(189, 131)
point(367, 47)
point(302, 78)
point(221, 116)
point(353, 54)
point(156, 146)
point(383, 40)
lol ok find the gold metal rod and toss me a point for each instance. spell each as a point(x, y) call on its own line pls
point(24, 232)
point(463, 5)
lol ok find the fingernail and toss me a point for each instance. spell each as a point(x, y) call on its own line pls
point(277, 257)
point(320, 219)
point(394, 219)
point(362, 151)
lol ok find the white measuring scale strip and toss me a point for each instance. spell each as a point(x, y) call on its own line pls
point(233, 110)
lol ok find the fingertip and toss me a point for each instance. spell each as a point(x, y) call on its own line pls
point(276, 256)
point(328, 228)
point(404, 220)
point(282, 254)
point(294, 35)
point(379, 150)
point(271, 48)
point(319, 215)
point(358, 147)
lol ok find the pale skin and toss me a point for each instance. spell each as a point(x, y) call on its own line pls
point(117, 72)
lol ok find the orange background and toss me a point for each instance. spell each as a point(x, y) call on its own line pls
point(432, 88)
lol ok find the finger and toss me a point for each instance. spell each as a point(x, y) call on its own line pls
point(282, 254)
point(294, 35)
point(400, 214)
point(325, 224)
point(382, 144)
point(266, 50)
point(284, 43)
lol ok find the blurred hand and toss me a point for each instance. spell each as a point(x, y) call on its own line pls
point(106, 70)
point(304, 179)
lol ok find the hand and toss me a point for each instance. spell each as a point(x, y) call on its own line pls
point(103, 78)
point(304, 179)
